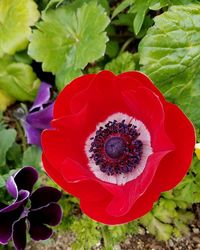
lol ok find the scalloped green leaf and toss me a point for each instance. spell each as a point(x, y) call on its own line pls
point(165, 210)
point(161, 230)
point(18, 79)
point(124, 62)
point(170, 55)
point(70, 35)
point(16, 18)
point(65, 76)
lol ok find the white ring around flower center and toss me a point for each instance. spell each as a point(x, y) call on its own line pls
point(144, 137)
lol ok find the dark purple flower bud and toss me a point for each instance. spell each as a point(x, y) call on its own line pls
point(39, 116)
point(43, 210)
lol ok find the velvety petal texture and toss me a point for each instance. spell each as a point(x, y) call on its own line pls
point(43, 210)
point(116, 144)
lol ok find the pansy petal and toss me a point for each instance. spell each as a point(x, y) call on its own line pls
point(19, 234)
point(43, 196)
point(21, 200)
point(25, 178)
point(12, 187)
point(2, 205)
point(41, 119)
point(50, 215)
point(40, 232)
point(43, 96)
point(32, 134)
point(7, 218)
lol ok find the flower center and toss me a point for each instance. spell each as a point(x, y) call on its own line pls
point(116, 151)
point(114, 147)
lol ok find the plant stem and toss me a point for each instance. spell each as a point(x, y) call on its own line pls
point(21, 135)
point(125, 45)
point(106, 240)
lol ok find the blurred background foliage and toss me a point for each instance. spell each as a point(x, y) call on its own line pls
point(57, 40)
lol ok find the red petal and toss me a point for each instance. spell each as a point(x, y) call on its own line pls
point(96, 97)
point(68, 139)
point(147, 107)
point(62, 103)
point(88, 190)
point(97, 210)
point(121, 204)
point(142, 79)
point(175, 166)
point(73, 172)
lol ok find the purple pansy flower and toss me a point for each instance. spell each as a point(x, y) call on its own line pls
point(32, 211)
point(39, 116)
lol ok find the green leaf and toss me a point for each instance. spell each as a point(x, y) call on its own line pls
point(170, 55)
point(122, 6)
point(16, 17)
point(65, 76)
point(158, 4)
point(112, 48)
point(2, 182)
point(161, 230)
point(5, 100)
point(165, 210)
point(32, 157)
point(140, 8)
point(124, 62)
point(87, 234)
point(70, 36)
point(54, 2)
point(118, 233)
point(14, 155)
point(7, 139)
point(188, 190)
point(18, 79)
point(182, 221)
point(22, 57)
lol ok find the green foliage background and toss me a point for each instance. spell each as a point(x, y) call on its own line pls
point(69, 38)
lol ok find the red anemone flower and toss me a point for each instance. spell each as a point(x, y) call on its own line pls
point(116, 144)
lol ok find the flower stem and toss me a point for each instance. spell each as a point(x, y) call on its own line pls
point(106, 238)
point(21, 135)
point(126, 44)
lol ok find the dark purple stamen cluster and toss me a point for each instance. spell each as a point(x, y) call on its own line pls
point(115, 148)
